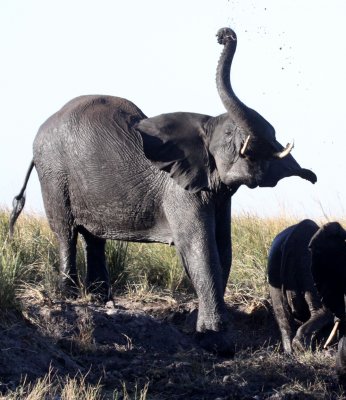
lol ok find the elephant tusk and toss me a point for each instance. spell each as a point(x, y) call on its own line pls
point(243, 149)
point(286, 151)
point(332, 334)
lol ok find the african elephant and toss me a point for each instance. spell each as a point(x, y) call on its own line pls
point(328, 266)
point(307, 282)
point(109, 172)
point(341, 359)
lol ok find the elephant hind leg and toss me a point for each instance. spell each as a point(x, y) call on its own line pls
point(97, 277)
point(283, 317)
point(58, 211)
point(68, 269)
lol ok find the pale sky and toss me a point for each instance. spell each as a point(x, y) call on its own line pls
point(290, 66)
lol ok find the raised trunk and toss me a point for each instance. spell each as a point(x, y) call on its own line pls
point(237, 110)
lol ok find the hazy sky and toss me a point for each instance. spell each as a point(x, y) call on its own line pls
point(290, 66)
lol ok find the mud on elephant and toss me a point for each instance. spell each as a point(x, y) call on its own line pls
point(307, 283)
point(109, 172)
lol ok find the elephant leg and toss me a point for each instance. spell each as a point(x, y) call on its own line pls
point(213, 329)
point(68, 268)
point(57, 206)
point(97, 277)
point(341, 362)
point(319, 318)
point(203, 266)
point(198, 250)
point(283, 317)
point(224, 242)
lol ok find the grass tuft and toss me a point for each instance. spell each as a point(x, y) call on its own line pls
point(51, 386)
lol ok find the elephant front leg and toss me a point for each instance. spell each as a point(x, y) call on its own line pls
point(224, 246)
point(205, 273)
point(223, 236)
point(201, 260)
point(282, 316)
point(319, 318)
point(307, 332)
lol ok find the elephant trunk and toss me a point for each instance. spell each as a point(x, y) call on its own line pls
point(237, 110)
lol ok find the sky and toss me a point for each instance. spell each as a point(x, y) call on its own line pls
point(162, 54)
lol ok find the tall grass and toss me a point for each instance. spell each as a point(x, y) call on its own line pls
point(32, 258)
point(251, 240)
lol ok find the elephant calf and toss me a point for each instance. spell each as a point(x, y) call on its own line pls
point(307, 276)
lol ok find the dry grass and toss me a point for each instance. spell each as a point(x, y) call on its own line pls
point(251, 240)
point(51, 386)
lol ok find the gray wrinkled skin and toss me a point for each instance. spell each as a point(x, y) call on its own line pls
point(109, 172)
point(307, 279)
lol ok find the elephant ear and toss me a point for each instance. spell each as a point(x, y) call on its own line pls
point(175, 143)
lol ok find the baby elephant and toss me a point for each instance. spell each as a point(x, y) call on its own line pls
point(306, 269)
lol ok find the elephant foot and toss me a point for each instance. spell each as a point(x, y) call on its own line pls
point(287, 345)
point(69, 289)
point(100, 291)
point(300, 344)
point(219, 343)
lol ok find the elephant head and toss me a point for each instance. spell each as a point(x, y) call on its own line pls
point(238, 147)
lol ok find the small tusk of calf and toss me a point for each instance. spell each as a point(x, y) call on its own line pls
point(332, 334)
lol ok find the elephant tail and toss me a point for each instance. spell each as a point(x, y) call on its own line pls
point(19, 200)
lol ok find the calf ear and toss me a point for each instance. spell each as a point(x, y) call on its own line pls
point(175, 143)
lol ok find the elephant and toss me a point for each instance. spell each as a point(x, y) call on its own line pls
point(341, 360)
point(328, 266)
point(307, 282)
point(107, 171)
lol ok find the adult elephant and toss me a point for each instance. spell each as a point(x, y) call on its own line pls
point(307, 282)
point(109, 172)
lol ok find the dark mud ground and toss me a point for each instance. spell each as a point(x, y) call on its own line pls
point(150, 340)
